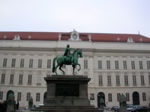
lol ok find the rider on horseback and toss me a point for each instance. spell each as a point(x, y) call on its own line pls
point(68, 55)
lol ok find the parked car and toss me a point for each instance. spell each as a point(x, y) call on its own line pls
point(40, 105)
point(129, 107)
point(115, 108)
point(139, 108)
point(106, 108)
point(136, 107)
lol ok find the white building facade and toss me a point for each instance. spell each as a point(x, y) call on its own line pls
point(119, 66)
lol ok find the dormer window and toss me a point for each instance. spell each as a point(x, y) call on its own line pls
point(29, 37)
point(74, 36)
point(141, 40)
point(5, 37)
point(16, 37)
point(118, 39)
point(130, 39)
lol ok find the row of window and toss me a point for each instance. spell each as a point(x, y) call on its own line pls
point(133, 66)
point(20, 94)
point(126, 80)
point(100, 66)
point(109, 80)
point(110, 99)
point(20, 81)
point(22, 61)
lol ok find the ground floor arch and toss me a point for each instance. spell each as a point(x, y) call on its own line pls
point(99, 96)
point(8, 92)
point(136, 98)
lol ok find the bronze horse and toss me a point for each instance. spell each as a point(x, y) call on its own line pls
point(62, 60)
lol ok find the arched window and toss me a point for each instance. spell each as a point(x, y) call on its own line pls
point(130, 39)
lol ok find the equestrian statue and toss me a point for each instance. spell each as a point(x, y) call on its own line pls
point(67, 59)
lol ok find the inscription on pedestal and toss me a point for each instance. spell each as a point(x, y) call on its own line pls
point(67, 90)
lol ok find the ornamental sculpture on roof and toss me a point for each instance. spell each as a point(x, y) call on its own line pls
point(67, 59)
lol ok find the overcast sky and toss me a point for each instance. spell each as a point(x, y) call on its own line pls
point(93, 16)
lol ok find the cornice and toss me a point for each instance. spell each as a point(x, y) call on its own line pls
point(62, 49)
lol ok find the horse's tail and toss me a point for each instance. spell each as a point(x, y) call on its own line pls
point(53, 70)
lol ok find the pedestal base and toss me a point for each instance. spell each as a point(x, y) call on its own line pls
point(67, 93)
point(67, 109)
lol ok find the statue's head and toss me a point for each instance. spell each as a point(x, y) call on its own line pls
point(11, 96)
point(68, 45)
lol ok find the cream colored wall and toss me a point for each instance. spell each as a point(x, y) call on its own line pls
point(90, 53)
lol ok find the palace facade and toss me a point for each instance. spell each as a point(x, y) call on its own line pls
point(116, 63)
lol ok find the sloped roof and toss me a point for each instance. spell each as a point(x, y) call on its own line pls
point(105, 37)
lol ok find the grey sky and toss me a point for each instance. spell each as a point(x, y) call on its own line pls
point(94, 16)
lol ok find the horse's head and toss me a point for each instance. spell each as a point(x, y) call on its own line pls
point(78, 52)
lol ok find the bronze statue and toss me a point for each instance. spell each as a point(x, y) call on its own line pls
point(67, 59)
point(11, 103)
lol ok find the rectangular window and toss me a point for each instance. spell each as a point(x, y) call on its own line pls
point(4, 62)
point(109, 80)
point(118, 80)
point(13, 63)
point(118, 97)
point(116, 65)
point(20, 79)
point(144, 96)
point(127, 97)
point(100, 80)
point(19, 96)
point(1, 95)
point(28, 96)
point(125, 64)
point(140, 64)
point(3, 79)
point(40, 63)
point(29, 79)
point(48, 63)
point(134, 80)
point(99, 64)
point(133, 64)
point(126, 80)
point(108, 64)
point(11, 78)
point(22, 63)
point(31, 63)
point(148, 64)
point(142, 80)
point(37, 97)
point(109, 97)
point(85, 64)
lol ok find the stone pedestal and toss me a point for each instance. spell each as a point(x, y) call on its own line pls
point(67, 93)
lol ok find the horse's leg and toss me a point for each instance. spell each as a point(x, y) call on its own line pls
point(73, 68)
point(56, 69)
point(61, 69)
point(79, 66)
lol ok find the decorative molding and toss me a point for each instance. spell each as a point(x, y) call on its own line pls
point(74, 36)
point(62, 49)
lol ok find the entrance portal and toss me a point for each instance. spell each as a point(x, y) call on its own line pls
point(99, 96)
point(135, 97)
point(10, 91)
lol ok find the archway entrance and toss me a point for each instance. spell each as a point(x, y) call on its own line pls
point(136, 100)
point(99, 96)
point(10, 91)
